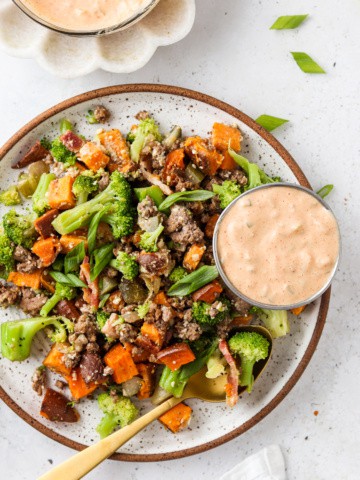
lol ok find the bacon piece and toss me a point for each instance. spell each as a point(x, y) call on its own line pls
point(43, 224)
point(67, 308)
point(72, 141)
point(92, 293)
point(37, 152)
point(231, 388)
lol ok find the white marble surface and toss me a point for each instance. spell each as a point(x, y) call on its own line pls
point(231, 54)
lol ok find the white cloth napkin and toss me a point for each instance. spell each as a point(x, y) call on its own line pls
point(268, 464)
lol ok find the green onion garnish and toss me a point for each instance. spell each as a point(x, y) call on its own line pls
point(325, 190)
point(100, 258)
point(270, 123)
point(188, 196)
point(74, 258)
point(287, 22)
point(306, 63)
point(69, 279)
point(195, 280)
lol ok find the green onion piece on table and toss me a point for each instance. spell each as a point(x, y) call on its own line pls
point(306, 63)
point(269, 122)
point(189, 196)
point(325, 190)
point(195, 280)
point(287, 22)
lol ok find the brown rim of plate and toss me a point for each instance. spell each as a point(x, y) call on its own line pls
point(325, 299)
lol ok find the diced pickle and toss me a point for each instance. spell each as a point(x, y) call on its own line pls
point(27, 184)
point(132, 291)
point(171, 138)
point(108, 285)
point(193, 174)
point(36, 169)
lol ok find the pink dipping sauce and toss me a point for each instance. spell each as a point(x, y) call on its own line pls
point(278, 245)
point(85, 15)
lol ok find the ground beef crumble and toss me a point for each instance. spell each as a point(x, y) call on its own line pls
point(38, 380)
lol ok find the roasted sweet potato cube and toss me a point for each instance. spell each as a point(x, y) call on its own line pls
point(150, 331)
point(31, 280)
point(120, 360)
point(70, 241)
point(93, 156)
point(54, 359)
point(47, 249)
point(207, 159)
point(174, 164)
point(298, 310)
point(208, 293)
point(116, 146)
point(57, 408)
point(224, 136)
point(176, 355)
point(78, 387)
point(193, 256)
point(177, 418)
point(147, 374)
point(60, 195)
point(210, 226)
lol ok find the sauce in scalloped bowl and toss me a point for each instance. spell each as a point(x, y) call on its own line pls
point(278, 245)
point(85, 15)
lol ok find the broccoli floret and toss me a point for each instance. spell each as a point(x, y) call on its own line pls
point(39, 200)
point(119, 411)
point(101, 318)
point(174, 381)
point(10, 197)
point(178, 273)
point(118, 192)
point(255, 175)
point(17, 336)
point(148, 241)
point(62, 292)
point(61, 153)
point(122, 225)
point(202, 315)
point(91, 118)
point(143, 310)
point(126, 264)
point(19, 228)
point(250, 347)
point(84, 184)
point(276, 321)
point(6, 256)
point(227, 192)
point(146, 130)
point(46, 143)
point(130, 137)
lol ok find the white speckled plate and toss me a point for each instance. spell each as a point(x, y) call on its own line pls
point(122, 52)
point(212, 424)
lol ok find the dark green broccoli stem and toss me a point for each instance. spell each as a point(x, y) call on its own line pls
point(17, 336)
point(81, 215)
point(39, 200)
point(174, 382)
point(61, 292)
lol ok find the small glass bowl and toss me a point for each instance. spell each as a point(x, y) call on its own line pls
point(234, 289)
point(89, 33)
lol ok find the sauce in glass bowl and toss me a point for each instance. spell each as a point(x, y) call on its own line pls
point(277, 245)
point(85, 15)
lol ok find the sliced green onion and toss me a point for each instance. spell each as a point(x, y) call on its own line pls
point(101, 257)
point(189, 196)
point(104, 299)
point(269, 122)
point(325, 190)
point(65, 125)
point(74, 258)
point(93, 227)
point(306, 63)
point(69, 279)
point(287, 22)
point(195, 280)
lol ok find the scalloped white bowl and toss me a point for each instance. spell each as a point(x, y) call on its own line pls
point(122, 52)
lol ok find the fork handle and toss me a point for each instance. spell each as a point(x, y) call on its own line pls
point(83, 462)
